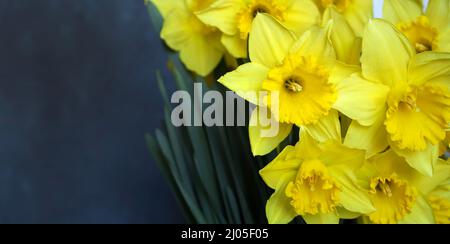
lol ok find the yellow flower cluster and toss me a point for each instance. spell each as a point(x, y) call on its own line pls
point(371, 98)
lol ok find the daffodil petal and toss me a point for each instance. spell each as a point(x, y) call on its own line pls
point(385, 53)
point(202, 54)
point(165, 6)
point(421, 213)
point(246, 80)
point(397, 11)
point(326, 128)
point(302, 14)
point(328, 218)
point(355, 53)
point(222, 14)
point(307, 147)
point(352, 197)
point(278, 207)
point(175, 32)
point(316, 43)
point(423, 161)
point(360, 99)
point(429, 65)
point(235, 45)
point(342, 71)
point(364, 174)
point(372, 138)
point(426, 184)
point(274, 172)
point(389, 162)
point(342, 35)
point(262, 145)
point(357, 15)
point(345, 214)
point(336, 154)
point(438, 12)
point(269, 41)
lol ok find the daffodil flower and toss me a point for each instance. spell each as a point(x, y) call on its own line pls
point(427, 31)
point(235, 17)
point(413, 117)
point(199, 44)
point(356, 12)
point(315, 181)
point(308, 80)
point(402, 195)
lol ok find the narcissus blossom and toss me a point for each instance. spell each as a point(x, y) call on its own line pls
point(402, 195)
point(427, 31)
point(199, 44)
point(235, 18)
point(315, 181)
point(415, 113)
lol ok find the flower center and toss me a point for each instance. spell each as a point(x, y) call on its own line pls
point(421, 34)
point(247, 14)
point(305, 94)
point(341, 5)
point(392, 197)
point(417, 116)
point(313, 190)
point(409, 103)
point(259, 10)
point(293, 84)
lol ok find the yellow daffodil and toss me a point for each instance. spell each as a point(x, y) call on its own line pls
point(315, 181)
point(356, 12)
point(402, 195)
point(413, 117)
point(427, 31)
point(199, 44)
point(235, 17)
point(307, 79)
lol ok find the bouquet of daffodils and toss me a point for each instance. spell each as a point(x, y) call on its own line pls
point(358, 110)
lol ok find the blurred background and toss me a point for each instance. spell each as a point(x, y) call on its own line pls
point(77, 95)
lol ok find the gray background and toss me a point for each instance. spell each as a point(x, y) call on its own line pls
point(77, 95)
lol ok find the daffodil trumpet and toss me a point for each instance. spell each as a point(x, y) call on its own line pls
point(400, 194)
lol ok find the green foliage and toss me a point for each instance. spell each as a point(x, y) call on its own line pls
point(210, 169)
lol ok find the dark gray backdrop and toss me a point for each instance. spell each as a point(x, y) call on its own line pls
point(77, 95)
